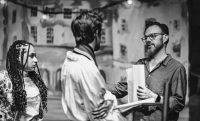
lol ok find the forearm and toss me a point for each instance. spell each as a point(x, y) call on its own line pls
point(178, 90)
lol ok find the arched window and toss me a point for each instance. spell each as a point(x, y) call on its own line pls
point(45, 76)
point(58, 80)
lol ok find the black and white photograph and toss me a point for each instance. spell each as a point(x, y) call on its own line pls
point(99, 60)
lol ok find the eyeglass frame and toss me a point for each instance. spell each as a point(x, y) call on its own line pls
point(151, 36)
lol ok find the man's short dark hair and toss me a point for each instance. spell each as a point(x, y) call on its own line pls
point(85, 26)
point(163, 27)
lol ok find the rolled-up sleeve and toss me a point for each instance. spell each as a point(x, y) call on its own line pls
point(178, 90)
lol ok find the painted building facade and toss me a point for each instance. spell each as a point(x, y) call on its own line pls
point(52, 37)
point(121, 45)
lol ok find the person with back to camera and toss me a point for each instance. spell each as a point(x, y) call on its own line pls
point(83, 87)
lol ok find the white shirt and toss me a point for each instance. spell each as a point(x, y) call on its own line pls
point(82, 84)
point(32, 91)
point(33, 99)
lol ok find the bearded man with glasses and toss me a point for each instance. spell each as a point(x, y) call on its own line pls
point(156, 37)
point(160, 68)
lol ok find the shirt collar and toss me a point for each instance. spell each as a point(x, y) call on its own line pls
point(83, 53)
point(166, 60)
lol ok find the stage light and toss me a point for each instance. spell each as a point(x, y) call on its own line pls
point(3, 2)
point(45, 16)
point(130, 2)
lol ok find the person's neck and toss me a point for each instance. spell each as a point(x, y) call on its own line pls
point(86, 48)
point(25, 74)
point(160, 56)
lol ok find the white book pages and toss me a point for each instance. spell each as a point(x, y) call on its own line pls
point(135, 78)
point(135, 104)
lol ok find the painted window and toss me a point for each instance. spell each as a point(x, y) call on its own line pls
point(50, 10)
point(45, 75)
point(58, 80)
point(50, 37)
point(124, 25)
point(34, 33)
point(34, 12)
point(123, 51)
point(103, 36)
point(14, 16)
point(67, 13)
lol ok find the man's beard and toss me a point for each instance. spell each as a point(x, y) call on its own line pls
point(152, 49)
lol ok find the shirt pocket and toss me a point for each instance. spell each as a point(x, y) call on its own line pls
point(157, 84)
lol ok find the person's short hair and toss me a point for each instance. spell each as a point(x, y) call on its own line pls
point(164, 28)
point(85, 26)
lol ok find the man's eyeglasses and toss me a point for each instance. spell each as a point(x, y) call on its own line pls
point(151, 36)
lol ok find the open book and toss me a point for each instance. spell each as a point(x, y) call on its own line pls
point(135, 78)
point(150, 101)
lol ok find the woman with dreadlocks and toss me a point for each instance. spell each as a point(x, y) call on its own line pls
point(22, 91)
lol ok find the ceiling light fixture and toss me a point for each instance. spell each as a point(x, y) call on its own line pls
point(130, 2)
point(3, 2)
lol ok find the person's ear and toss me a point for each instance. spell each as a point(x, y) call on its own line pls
point(95, 35)
point(165, 38)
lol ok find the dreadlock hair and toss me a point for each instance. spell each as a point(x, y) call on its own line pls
point(15, 67)
point(85, 25)
point(42, 89)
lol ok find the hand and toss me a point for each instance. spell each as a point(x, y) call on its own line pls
point(145, 93)
point(102, 110)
